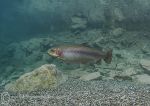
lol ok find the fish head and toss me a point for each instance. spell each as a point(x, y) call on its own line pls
point(55, 52)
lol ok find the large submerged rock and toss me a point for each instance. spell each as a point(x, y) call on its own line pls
point(45, 77)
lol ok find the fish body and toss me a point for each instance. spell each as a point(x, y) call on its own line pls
point(80, 54)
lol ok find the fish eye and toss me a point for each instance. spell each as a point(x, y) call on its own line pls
point(52, 50)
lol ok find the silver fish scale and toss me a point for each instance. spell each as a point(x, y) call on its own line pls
point(80, 55)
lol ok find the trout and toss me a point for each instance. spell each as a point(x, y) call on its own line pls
point(80, 54)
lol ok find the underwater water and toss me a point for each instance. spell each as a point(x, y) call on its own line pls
point(75, 52)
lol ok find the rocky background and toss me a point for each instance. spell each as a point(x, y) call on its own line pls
point(30, 27)
point(131, 56)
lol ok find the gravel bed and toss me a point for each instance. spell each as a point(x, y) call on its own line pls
point(81, 93)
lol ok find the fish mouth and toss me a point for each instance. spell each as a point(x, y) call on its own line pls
point(52, 53)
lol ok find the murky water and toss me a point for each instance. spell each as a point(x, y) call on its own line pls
point(30, 28)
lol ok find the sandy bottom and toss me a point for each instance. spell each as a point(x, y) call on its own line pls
point(80, 93)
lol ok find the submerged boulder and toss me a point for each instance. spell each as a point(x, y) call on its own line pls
point(117, 32)
point(45, 77)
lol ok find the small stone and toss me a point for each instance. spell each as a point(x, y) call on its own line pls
point(144, 78)
point(78, 20)
point(78, 23)
point(91, 76)
point(77, 73)
point(121, 66)
point(129, 72)
point(126, 74)
point(118, 14)
point(112, 74)
point(145, 64)
point(117, 32)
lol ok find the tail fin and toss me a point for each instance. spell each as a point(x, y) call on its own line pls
point(108, 56)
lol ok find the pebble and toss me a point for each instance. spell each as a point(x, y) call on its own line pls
point(144, 78)
point(91, 76)
point(145, 64)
